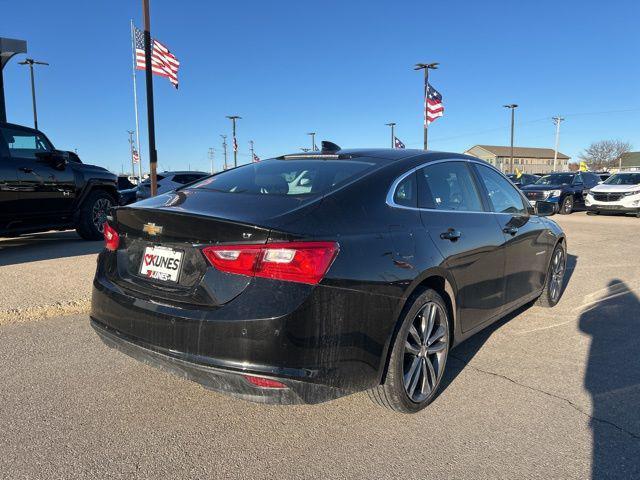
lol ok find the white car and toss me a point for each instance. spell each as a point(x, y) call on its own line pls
point(168, 181)
point(618, 193)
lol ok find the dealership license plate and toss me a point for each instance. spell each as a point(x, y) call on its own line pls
point(161, 263)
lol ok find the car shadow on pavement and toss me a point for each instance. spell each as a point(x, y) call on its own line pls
point(613, 381)
point(45, 246)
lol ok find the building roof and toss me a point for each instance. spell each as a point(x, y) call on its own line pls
point(524, 152)
point(630, 159)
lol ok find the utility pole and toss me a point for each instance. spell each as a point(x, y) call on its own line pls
point(151, 125)
point(133, 168)
point(251, 149)
point(393, 135)
point(426, 67)
point(557, 121)
point(233, 119)
point(313, 141)
point(31, 62)
point(211, 159)
point(512, 107)
point(224, 149)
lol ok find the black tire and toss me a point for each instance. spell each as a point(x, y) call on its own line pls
point(411, 364)
point(93, 212)
point(552, 291)
point(567, 205)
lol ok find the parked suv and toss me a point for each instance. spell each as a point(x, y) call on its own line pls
point(619, 193)
point(42, 188)
point(565, 190)
point(168, 181)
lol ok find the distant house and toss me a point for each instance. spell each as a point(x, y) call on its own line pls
point(630, 161)
point(525, 159)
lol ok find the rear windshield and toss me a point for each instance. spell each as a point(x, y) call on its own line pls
point(623, 179)
point(286, 177)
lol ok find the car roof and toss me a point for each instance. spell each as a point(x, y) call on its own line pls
point(377, 155)
point(182, 172)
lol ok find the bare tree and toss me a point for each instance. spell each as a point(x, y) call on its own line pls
point(604, 154)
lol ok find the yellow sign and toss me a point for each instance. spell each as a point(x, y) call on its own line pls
point(518, 173)
point(583, 167)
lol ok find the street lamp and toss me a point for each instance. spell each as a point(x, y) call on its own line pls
point(313, 141)
point(31, 62)
point(426, 67)
point(233, 119)
point(393, 135)
point(512, 107)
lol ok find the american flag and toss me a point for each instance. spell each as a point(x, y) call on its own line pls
point(256, 158)
point(163, 62)
point(398, 143)
point(135, 156)
point(433, 107)
point(235, 144)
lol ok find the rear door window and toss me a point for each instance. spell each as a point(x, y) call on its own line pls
point(448, 186)
point(287, 177)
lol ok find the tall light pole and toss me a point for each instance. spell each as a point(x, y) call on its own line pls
point(224, 149)
point(393, 135)
point(426, 67)
point(512, 107)
point(233, 119)
point(251, 149)
point(556, 120)
point(31, 62)
point(313, 141)
point(211, 158)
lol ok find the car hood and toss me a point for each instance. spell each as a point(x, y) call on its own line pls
point(602, 188)
point(541, 188)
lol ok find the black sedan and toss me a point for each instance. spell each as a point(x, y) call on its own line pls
point(307, 277)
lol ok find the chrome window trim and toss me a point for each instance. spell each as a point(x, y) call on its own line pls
point(392, 190)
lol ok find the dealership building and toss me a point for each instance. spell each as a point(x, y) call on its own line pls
point(525, 159)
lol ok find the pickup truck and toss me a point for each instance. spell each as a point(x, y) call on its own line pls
point(42, 188)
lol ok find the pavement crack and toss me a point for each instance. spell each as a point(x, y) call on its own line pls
point(549, 394)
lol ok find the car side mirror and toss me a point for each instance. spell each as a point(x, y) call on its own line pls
point(56, 158)
point(544, 209)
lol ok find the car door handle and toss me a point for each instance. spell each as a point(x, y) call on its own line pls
point(451, 235)
point(510, 230)
point(26, 169)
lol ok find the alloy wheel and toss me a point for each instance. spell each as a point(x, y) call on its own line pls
point(425, 353)
point(99, 212)
point(557, 274)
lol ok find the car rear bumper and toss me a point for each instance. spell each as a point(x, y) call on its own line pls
point(216, 379)
point(322, 342)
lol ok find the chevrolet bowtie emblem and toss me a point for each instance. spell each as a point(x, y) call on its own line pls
point(152, 229)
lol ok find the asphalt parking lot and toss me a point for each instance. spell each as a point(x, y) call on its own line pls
point(543, 394)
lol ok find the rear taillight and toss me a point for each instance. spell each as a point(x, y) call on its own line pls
point(304, 262)
point(264, 382)
point(111, 237)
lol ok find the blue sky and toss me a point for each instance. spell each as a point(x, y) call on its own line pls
point(340, 68)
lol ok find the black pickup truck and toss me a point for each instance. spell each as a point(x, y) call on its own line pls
point(42, 188)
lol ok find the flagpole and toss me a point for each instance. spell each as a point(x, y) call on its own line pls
point(135, 103)
point(426, 67)
point(151, 129)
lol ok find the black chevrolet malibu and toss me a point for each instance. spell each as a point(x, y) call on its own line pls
point(310, 276)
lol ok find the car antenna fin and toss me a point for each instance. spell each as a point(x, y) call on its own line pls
point(330, 146)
